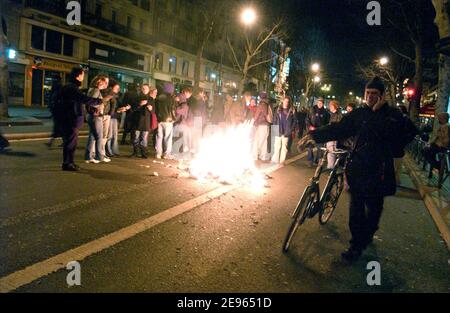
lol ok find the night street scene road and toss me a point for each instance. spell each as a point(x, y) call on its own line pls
point(224, 153)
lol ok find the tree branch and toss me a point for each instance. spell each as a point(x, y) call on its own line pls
point(259, 63)
point(234, 54)
point(409, 59)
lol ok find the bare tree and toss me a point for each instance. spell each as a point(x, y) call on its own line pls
point(442, 21)
point(309, 47)
point(209, 16)
point(251, 54)
point(406, 17)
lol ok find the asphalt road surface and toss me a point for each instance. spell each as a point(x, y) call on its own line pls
point(228, 243)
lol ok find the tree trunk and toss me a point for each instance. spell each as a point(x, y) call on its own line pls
point(197, 69)
point(442, 21)
point(418, 84)
point(443, 87)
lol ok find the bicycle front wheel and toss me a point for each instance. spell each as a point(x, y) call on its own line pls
point(330, 197)
point(299, 216)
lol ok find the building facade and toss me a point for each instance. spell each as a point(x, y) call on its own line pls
point(132, 41)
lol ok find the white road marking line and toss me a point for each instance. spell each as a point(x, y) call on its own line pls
point(31, 273)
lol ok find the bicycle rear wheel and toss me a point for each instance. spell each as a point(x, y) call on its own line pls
point(331, 196)
point(299, 217)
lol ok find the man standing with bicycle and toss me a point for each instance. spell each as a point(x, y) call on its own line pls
point(370, 170)
point(317, 117)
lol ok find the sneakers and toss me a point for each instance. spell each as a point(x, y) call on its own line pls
point(93, 161)
point(158, 157)
point(352, 254)
point(106, 160)
point(169, 157)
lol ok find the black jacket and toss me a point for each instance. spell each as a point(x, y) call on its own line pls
point(378, 136)
point(317, 118)
point(142, 117)
point(70, 112)
point(165, 108)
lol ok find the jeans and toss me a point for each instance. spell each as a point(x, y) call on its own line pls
point(112, 144)
point(364, 224)
point(260, 142)
point(140, 138)
point(280, 149)
point(331, 157)
point(164, 139)
point(95, 146)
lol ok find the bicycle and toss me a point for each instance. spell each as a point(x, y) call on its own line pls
point(312, 203)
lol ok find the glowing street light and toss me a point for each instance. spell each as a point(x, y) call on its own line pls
point(350, 93)
point(315, 67)
point(317, 79)
point(248, 16)
point(383, 61)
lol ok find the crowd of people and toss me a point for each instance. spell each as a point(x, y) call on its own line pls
point(148, 117)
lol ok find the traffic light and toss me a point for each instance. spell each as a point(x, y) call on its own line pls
point(409, 93)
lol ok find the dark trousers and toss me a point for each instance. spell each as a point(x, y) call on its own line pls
point(430, 155)
point(70, 141)
point(365, 214)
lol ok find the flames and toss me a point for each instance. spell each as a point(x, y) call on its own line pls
point(226, 156)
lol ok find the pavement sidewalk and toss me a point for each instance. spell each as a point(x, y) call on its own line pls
point(436, 200)
point(29, 123)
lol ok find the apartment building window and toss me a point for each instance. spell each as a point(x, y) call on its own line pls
point(129, 22)
point(145, 4)
point(173, 65)
point(98, 10)
point(158, 62)
point(185, 68)
point(114, 16)
point(51, 41)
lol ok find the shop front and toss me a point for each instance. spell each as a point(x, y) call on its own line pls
point(41, 75)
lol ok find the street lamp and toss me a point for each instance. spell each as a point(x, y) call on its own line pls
point(248, 16)
point(383, 61)
point(317, 79)
point(315, 67)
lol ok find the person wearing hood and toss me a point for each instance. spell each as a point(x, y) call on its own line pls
point(71, 116)
point(284, 118)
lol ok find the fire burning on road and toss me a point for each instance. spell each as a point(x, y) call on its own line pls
point(226, 156)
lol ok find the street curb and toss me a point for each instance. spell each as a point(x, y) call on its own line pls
point(429, 197)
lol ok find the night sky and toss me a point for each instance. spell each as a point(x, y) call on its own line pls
point(350, 38)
